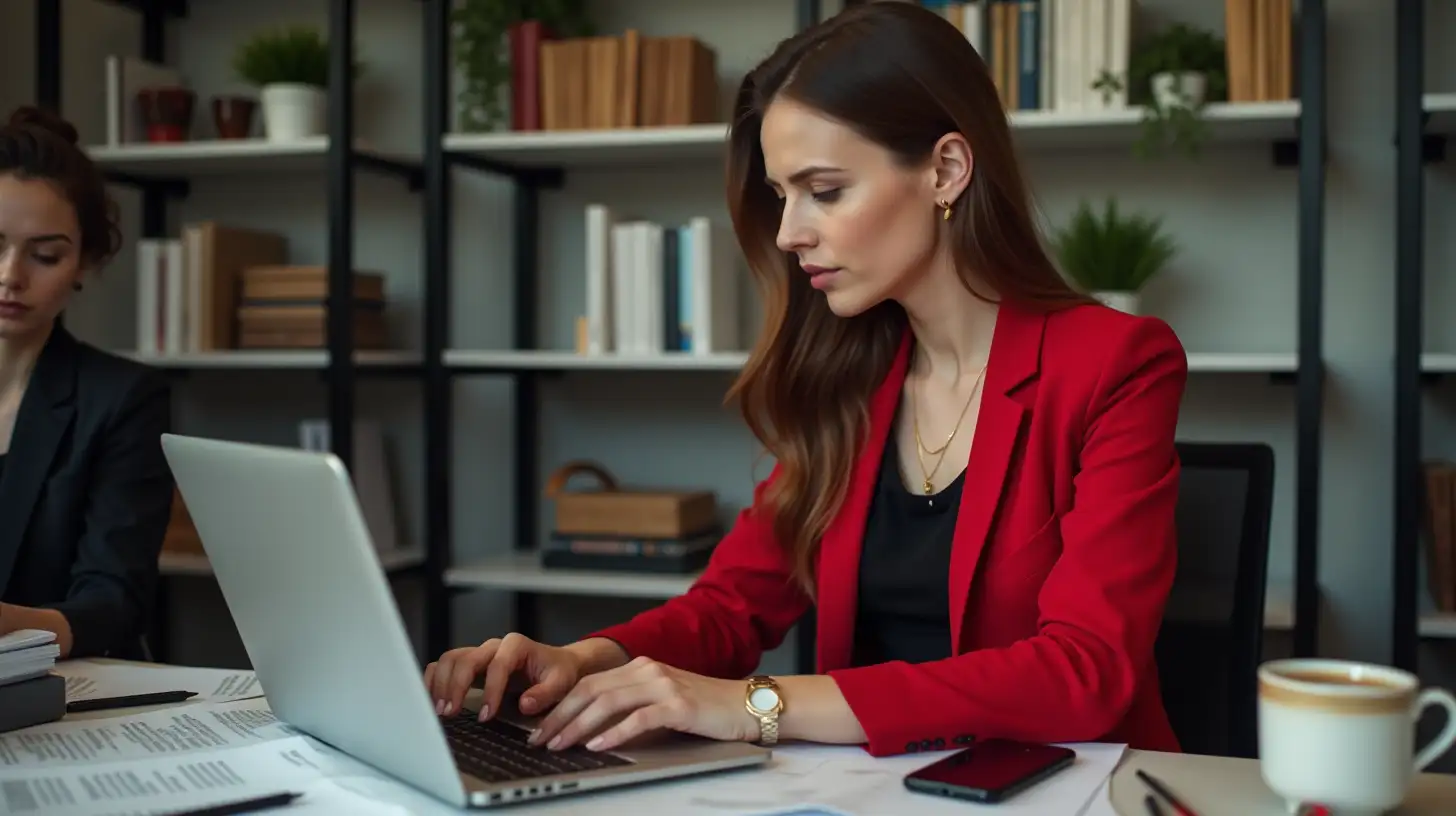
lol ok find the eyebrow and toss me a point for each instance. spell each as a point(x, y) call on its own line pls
point(39, 239)
point(807, 172)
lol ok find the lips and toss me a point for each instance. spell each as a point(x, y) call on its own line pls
point(13, 307)
point(817, 270)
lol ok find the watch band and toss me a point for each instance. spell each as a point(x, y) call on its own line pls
point(768, 730)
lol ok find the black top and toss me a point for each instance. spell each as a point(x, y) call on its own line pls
point(904, 601)
point(2, 468)
point(87, 495)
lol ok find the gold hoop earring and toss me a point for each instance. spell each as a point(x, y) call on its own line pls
point(945, 216)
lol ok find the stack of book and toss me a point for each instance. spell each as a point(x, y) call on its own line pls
point(286, 307)
point(29, 693)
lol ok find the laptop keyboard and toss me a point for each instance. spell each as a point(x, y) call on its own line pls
point(496, 751)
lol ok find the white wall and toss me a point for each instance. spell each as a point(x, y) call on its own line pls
point(1233, 288)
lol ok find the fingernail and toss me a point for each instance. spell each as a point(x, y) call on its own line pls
point(596, 743)
point(439, 707)
point(534, 737)
point(449, 706)
point(554, 743)
point(527, 702)
point(484, 712)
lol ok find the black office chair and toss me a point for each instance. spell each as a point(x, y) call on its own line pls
point(1209, 648)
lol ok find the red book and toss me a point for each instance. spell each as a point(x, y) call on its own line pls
point(525, 40)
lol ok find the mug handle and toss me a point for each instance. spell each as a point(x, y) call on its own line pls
point(1442, 742)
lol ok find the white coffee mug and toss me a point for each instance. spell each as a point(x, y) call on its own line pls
point(1341, 734)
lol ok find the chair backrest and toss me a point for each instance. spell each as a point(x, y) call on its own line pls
point(1211, 642)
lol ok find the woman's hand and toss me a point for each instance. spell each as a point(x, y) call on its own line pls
point(551, 670)
point(646, 695)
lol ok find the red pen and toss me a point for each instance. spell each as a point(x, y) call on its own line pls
point(1162, 790)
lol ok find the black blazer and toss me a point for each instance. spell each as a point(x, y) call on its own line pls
point(86, 495)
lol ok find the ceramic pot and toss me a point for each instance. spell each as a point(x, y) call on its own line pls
point(1122, 301)
point(166, 113)
point(232, 116)
point(1185, 89)
point(293, 111)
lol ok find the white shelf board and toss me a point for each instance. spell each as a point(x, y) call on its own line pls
point(218, 157)
point(1240, 122)
point(1213, 363)
point(522, 572)
point(188, 564)
point(281, 359)
point(571, 361)
point(1438, 363)
point(1438, 625)
point(1442, 110)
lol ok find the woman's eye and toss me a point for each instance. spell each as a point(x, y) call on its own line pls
point(827, 196)
point(48, 260)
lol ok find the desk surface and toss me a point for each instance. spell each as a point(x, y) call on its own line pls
point(1212, 786)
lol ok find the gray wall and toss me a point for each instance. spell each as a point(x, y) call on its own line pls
point(1233, 288)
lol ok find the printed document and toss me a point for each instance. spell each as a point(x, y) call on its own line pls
point(198, 727)
point(87, 680)
point(190, 780)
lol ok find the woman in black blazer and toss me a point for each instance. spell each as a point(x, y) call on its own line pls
point(85, 493)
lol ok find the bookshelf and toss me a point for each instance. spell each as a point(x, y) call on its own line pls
point(535, 164)
point(164, 174)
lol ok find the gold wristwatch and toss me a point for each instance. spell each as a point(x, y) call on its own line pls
point(765, 703)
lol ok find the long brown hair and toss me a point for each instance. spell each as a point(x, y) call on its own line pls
point(902, 77)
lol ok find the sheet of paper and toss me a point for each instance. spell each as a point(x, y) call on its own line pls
point(833, 780)
point(1101, 802)
point(196, 727)
point(86, 680)
point(169, 783)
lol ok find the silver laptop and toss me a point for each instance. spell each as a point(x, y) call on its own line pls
point(295, 563)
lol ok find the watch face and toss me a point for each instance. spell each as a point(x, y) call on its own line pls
point(764, 699)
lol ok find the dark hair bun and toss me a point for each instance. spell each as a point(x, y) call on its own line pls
point(32, 116)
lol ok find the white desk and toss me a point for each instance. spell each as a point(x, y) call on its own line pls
point(1213, 786)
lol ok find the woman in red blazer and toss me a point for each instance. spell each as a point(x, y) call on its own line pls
point(975, 467)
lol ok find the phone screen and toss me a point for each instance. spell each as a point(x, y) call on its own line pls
point(993, 765)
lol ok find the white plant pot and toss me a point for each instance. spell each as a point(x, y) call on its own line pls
point(1122, 301)
point(1185, 89)
point(293, 111)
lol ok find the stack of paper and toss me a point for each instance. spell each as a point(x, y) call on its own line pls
point(27, 653)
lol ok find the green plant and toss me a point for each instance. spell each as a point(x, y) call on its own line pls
point(1177, 49)
point(1112, 252)
point(298, 54)
point(483, 55)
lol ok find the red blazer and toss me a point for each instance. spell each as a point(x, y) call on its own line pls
point(1063, 557)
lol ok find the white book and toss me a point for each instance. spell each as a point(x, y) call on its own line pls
point(148, 297)
point(715, 288)
point(598, 279)
point(174, 273)
point(650, 308)
point(624, 323)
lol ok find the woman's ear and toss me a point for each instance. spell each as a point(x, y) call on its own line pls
point(951, 166)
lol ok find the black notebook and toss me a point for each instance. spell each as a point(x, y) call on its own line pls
point(32, 702)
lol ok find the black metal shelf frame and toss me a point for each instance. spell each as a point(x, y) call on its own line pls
point(340, 371)
point(1412, 149)
point(528, 185)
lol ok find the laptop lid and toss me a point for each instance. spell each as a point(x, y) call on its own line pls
point(293, 558)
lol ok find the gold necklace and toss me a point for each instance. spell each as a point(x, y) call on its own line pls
point(920, 450)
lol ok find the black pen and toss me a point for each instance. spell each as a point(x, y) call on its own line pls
point(104, 703)
point(1154, 809)
point(240, 806)
point(1162, 790)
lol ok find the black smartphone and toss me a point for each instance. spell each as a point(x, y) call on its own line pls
point(990, 771)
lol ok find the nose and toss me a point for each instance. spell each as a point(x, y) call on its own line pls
point(794, 234)
point(12, 273)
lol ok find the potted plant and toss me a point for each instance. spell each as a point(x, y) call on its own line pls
point(1111, 256)
point(1172, 75)
point(486, 48)
point(290, 67)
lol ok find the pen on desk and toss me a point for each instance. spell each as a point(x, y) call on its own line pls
point(1154, 809)
point(104, 703)
point(240, 806)
point(1162, 790)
